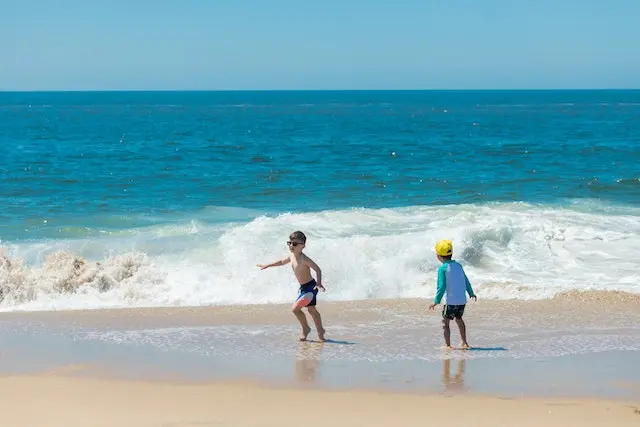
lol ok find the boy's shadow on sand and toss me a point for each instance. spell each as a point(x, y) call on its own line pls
point(465, 350)
point(486, 349)
point(330, 341)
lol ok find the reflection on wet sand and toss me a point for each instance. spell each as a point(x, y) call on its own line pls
point(453, 384)
point(307, 361)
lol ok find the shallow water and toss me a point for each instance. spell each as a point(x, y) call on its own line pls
point(536, 354)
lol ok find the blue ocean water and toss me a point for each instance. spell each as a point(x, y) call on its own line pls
point(80, 166)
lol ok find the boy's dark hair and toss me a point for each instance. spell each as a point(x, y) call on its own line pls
point(298, 235)
point(446, 257)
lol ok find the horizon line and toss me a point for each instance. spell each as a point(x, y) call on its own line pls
point(316, 90)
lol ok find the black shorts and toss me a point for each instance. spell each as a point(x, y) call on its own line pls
point(308, 288)
point(452, 311)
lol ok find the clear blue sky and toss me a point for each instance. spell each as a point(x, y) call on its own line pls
point(320, 44)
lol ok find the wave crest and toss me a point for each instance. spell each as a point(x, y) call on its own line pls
point(509, 251)
point(65, 273)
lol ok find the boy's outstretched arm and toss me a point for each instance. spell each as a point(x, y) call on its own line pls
point(318, 271)
point(275, 263)
point(442, 286)
point(469, 289)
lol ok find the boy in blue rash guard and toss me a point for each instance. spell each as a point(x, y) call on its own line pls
point(453, 282)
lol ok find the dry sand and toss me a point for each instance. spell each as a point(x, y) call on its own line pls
point(57, 400)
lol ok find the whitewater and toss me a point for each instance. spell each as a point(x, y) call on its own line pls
point(509, 250)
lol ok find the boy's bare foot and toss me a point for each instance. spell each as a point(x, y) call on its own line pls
point(321, 333)
point(305, 334)
point(465, 346)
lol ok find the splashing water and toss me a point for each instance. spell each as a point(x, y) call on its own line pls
point(513, 250)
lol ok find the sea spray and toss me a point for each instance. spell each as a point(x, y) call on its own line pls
point(510, 250)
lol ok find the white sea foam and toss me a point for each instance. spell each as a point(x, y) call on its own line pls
point(511, 250)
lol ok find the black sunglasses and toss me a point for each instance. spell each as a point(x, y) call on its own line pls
point(290, 243)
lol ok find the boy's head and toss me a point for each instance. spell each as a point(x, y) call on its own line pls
point(297, 241)
point(444, 249)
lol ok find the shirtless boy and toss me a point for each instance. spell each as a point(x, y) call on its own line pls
point(302, 266)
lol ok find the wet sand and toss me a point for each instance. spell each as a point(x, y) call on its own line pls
point(586, 309)
point(572, 359)
point(576, 345)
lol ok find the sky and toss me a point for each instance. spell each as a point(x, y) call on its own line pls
point(318, 45)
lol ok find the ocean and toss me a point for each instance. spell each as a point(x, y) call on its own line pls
point(147, 199)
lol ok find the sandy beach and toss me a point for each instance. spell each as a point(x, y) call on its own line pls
point(570, 359)
point(57, 401)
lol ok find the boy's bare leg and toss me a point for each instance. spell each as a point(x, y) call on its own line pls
point(297, 311)
point(447, 332)
point(317, 319)
point(463, 333)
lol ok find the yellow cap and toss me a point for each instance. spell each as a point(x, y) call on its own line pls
point(444, 247)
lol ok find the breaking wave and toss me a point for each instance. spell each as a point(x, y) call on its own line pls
point(510, 250)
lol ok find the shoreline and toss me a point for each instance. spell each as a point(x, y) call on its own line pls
point(587, 296)
point(536, 348)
